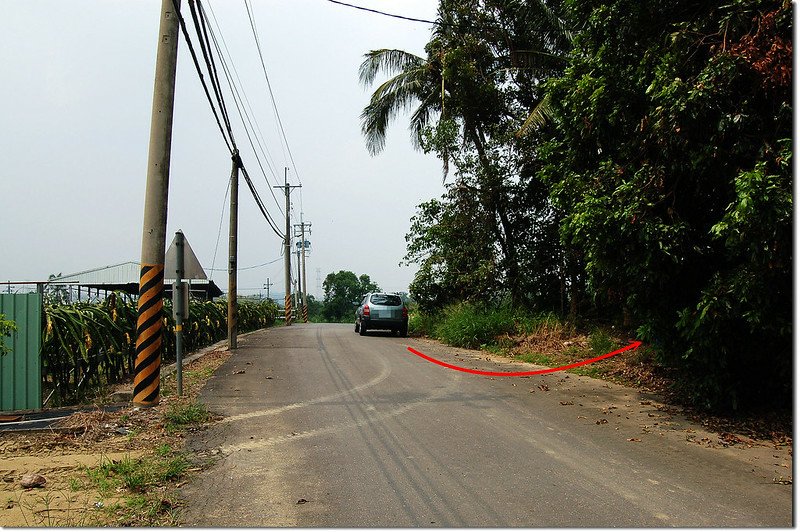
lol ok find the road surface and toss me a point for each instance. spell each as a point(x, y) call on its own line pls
point(324, 428)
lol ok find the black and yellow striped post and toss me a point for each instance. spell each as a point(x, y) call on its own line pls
point(305, 313)
point(149, 326)
point(287, 309)
point(149, 330)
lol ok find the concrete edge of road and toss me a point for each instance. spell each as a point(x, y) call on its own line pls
point(127, 395)
point(42, 420)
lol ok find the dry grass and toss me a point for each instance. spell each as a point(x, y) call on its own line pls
point(76, 453)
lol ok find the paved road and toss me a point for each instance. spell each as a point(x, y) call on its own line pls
point(327, 428)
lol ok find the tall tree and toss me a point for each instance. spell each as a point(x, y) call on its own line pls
point(470, 95)
point(343, 290)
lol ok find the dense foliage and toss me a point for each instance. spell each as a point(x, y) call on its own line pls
point(7, 327)
point(86, 344)
point(627, 161)
point(343, 291)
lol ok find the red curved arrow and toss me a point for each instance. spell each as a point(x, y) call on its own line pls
point(633, 345)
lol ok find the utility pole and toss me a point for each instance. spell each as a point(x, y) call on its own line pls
point(146, 381)
point(287, 251)
point(267, 285)
point(298, 302)
point(301, 269)
point(233, 317)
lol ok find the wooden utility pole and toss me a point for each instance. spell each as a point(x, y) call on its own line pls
point(146, 383)
point(233, 316)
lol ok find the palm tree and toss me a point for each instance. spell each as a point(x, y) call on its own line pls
point(413, 81)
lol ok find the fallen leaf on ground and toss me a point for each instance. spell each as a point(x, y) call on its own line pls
point(238, 372)
point(601, 421)
point(634, 439)
point(566, 403)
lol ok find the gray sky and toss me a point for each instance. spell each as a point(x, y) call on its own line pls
point(75, 103)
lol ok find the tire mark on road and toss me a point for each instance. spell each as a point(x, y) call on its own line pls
point(368, 420)
point(382, 376)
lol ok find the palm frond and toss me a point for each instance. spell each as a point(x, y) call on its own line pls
point(387, 61)
point(538, 117)
point(389, 99)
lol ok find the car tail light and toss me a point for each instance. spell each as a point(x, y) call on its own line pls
point(366, 310)
point(405, 312)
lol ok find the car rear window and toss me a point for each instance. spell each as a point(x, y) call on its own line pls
point(383, 299)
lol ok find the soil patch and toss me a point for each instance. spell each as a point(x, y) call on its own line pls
point(75, 454)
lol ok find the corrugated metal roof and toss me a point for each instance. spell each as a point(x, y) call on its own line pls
point(123, 276)
point(123, 273)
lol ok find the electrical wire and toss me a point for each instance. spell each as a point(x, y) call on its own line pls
point(200, 74)
point(386, 14)
point(269, 86)
point(247, 267)
point(205, 45)
point(203, 29)
point(211, 68)
point(260, 203)
point(221, 218)
point(240, 98)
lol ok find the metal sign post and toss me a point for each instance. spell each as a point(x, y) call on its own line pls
point(179, 308)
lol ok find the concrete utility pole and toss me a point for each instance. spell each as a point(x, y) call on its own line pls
point(305, 286)
point(267, 285)
point(146, 382)
point(233, 317)
point(287, 251)
point(298, 302)
point(301, 267)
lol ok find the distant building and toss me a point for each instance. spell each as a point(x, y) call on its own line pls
point(123, 277)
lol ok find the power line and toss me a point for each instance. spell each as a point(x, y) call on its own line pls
point(200, 74)
point(220, 100)
point(240, 100)
point(260, 203)
point(247, 267)
point(387, 14)
point(221, 218)
point(269, 86)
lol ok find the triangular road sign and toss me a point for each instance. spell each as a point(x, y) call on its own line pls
point(191, 266)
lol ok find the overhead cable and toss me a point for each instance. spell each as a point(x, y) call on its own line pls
point(200, 74)
point(247, 267)
point(386, 14)
point(269, 86)
point(240, 107)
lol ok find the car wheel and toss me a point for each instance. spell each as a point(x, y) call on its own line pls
point(404, 331)
point(362, 330)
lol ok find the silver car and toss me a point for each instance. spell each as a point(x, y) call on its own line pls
point(382, 311)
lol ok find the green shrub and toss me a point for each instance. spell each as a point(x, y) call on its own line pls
point(421, 324)
point(468, 325)
point(601, 342)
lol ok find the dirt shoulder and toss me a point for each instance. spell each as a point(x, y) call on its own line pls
point(100, 468)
